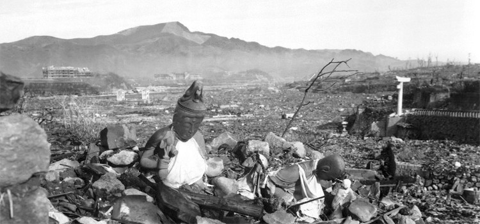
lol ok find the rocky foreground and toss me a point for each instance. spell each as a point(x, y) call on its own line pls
point(49, 174)
point(103, 182)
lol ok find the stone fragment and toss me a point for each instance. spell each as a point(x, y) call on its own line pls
point(224, 138)
point(53, 213)
point(416, 213)
point(405, 220)
point(276, 142)
point(316, 155)
point(349, 220)
point(11, 89)
point(61, 169)
point(388, 203)
point(107, 153)
point(135, 209)
point(279, 217)
point(69, 206)
point(397, 140)
point(76, 181)
point(63, 165)
point(88, 203)
point(93, 154)
point(68, 173)
point(59, 217)
point(300, 150)
point(133, 191)
point(362, 210)
point(258, 146)
point(224, 186)
point(118, 137)
point(249, 162)
point(109, 183)
point(215, 167)
point(30, 208)
point(388, 220)
point(204, 220)
point(89, 220)
point(24, 149)
point(123, 158)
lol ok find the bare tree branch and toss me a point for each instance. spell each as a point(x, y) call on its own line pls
point(319, 74)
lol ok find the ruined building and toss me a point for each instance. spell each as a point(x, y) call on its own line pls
point(66, 72)
point(49, 87)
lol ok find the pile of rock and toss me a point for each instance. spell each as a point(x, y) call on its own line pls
point(24, 153)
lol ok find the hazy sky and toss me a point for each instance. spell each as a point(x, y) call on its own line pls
point(403, 29)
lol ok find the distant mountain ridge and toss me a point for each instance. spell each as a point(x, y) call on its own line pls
point(143, 51)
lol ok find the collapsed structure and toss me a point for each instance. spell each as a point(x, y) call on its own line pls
point(66, 72)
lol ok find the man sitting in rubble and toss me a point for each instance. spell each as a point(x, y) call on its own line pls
point(180, 147)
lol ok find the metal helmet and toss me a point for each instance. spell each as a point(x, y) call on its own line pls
point(330, 168)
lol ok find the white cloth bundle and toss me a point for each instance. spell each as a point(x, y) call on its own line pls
point(187, 167)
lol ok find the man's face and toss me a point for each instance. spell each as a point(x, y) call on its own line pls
point(186, 126)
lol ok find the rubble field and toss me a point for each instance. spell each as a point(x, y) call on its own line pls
point(94, 175)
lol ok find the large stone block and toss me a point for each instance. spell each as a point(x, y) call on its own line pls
point(224, 138)
point(109, 183)
point(24, 149)
point(258, 146)
point(362, 210)
point(135, 209)
point(118, 137)
point(11, 89)
point(32, 208)
point(277, 142)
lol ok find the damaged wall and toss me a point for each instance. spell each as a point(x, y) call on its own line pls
point(458, 126)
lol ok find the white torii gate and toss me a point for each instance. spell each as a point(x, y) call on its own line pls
point(400, 93)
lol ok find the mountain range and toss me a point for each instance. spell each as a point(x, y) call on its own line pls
point(143, 51)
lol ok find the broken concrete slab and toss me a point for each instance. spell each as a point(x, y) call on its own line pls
point(275, 141)
point(300, 150)
point(135, 209)
point(316, 155)
point(118, 137)
point(133, 191)
point(362, 210)
point(214, 167)
point(224, 138)
point(123, 158)
point(109, 183)
point(258, 146)
point(361, 174)
point(63, 165)
point(56, 170)
point(24, 149)
point(92, 154)
point(90, 220)
point(279, 217)
point(225, 186)
point(204, 220)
